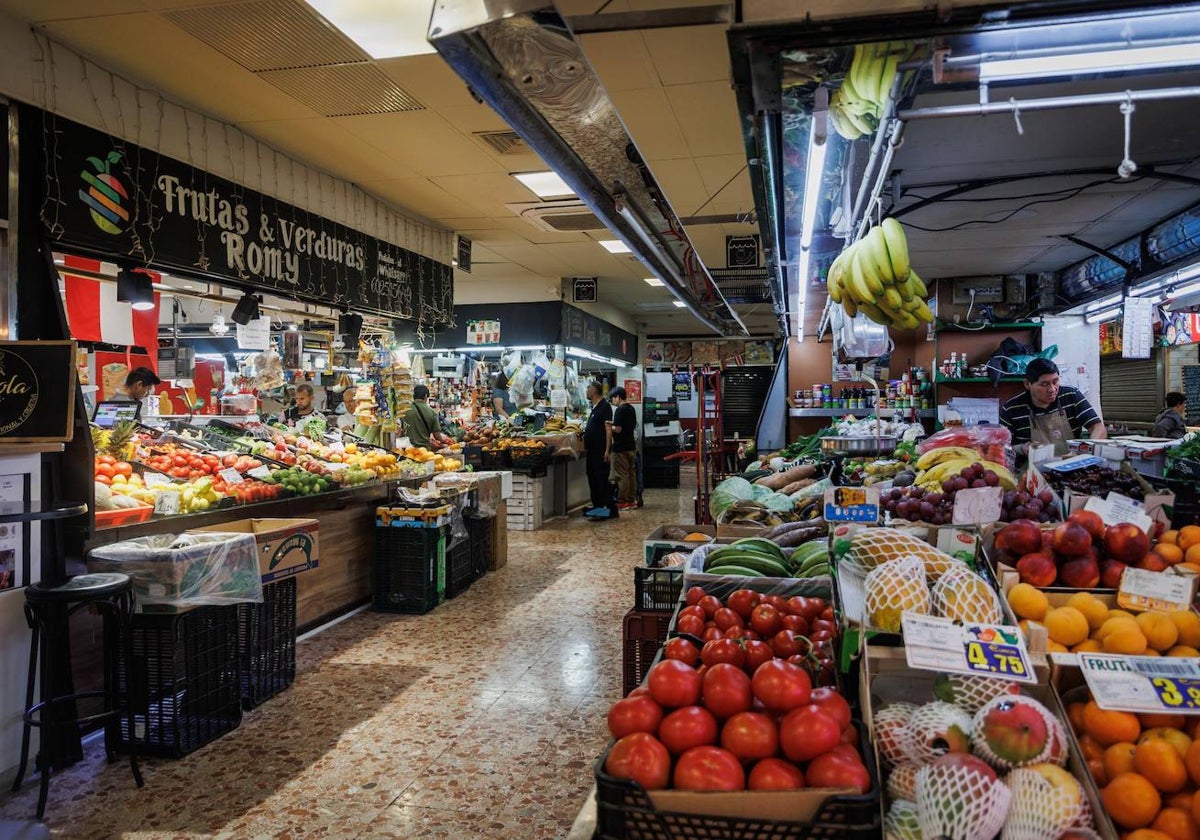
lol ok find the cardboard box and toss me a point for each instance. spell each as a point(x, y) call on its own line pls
point(499, 557)
point(736, 532)
point(286, 547)
point(657, 545)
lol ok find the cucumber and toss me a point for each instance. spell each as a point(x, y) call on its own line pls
point(732, 571)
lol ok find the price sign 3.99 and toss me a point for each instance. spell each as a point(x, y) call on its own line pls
point(1142, 684)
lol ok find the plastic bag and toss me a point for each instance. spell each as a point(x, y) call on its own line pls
point(556, 375)
point(510, 363)
point(991, 442)
point(541, 364)
point(521, 384)
point(186, 570)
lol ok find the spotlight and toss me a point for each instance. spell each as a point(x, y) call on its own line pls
point(350, 327)
point(136, 288)
point(246, 310)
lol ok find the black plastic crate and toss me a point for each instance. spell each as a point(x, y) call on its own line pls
point(408, 571)
point(494, 460)
point(267, 643)
point(657, 589)
point(1186, 510)
point(642, 634)
point(186, 692)
point(473, 455)
point(624, 812)
point(480, 534)
point(460, 568)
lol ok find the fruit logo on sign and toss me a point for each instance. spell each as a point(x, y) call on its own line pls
point(104, 194)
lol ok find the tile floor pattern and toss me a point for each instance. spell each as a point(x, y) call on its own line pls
point(481, 719)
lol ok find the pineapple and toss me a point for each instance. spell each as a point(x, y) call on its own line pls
point(121, 439)
point(100, 438)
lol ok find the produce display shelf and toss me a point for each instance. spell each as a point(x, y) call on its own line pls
point(857, 412)
point(994, 326)
point(945, 380)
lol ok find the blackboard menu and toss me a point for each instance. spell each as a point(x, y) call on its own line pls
point(1191, 388)
point(37, 391)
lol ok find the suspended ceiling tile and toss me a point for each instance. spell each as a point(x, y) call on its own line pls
point(620, 60)
point(341, 90)
point(528, 232)
point(431, 80)
point(681, 183)
point(420, 196)
point(328, 148)
point(651, 123)
point(708, 115)
point(533, 258)
point(473, 118)
point(731, 196)
point(689, 54)
point(424, 141)
point(488, 192)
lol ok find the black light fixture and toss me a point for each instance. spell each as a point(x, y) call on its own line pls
point(350, 326)
point(135, 287)
point(246, 310)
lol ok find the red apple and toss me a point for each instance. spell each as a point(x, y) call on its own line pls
point(1037, 569)
point(1110, 574)
point(1080, 573)
point(1015, 730)
point(1126, 542)
point(1091, 522)
point(1020, 537)
point(1071, 539)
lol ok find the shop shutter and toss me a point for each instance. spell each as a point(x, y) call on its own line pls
point(743, 393)
point(1131, 390)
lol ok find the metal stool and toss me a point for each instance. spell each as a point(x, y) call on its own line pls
point(48, 609)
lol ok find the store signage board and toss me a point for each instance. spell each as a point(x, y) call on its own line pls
point(259, 472)
point(978, 505)
point(37, 391)
point(743, 251)
point(1143, 684)
point(981, 650)
point(152, 479)
point(581, 329)
point(681, 387)
point(633, 391)
point(1115, 509)
point(486, 331)
point(463, 254)
point(167, 502)
point(1137, 328)
point(115, 199)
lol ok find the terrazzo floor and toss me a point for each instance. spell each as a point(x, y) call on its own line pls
point(481, 719)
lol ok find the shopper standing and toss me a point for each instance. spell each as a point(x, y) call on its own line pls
point(502, 405)
point(623, 450)
point(596, 436)
point(303, 409)
point(421, 422)
point(1170, 421)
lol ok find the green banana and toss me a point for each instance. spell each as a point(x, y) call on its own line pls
point(815, 560)
point(806, 551)
point(762, 544)
point(820, 570)
point(732, 571)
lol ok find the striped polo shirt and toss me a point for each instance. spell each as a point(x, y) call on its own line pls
point(1017, 414)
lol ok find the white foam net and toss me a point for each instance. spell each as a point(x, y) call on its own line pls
point(888, 730)
point(893, 589)
point(1039, 811)
point(901, 822)
point(980, 746)
point(960, 803)
point(962, 595)
point(971, 693)
point(902, 782)
point(872, 547)
point(927, 731)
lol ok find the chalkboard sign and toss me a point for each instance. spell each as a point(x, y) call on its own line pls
point(1191, 388)
point(37, 391)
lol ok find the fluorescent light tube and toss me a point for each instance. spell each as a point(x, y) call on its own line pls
point(679, 304)
point(1105, 61)
point(383, 28)
point(544, 184)
point(803, 266)
point(614, 246)
point(653, 281)
point(813, 172)
point(1103, 315)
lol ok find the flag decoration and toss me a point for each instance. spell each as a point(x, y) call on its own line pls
point(95, 314)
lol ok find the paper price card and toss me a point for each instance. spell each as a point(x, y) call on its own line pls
point(259, 472)
point(985, 650)
point(231, 476)
point(1143, 684)
point(155, 479)
point(1141, 590)
point(167, 502)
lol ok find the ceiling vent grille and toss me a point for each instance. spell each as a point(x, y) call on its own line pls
point(344, 90)
point(503, 142)
point(571, 216)
point(268, 34)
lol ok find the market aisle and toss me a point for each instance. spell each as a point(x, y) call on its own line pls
point(481, 719)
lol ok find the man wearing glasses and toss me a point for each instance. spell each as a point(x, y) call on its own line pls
point(1049, 413)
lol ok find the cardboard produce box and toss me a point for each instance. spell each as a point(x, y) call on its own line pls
point(658, 544)
point(286, 547)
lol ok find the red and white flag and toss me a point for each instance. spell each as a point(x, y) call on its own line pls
point(95, 314)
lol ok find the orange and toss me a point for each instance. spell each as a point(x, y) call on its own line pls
point(1131, 801)
point(1171, 554)
point(1075, 716)
point(1189, 535)
point(1170, 537)
point(1176, 823)
point(1115, 613)
point(1146, 834)
point(1196, 806)
point(1093, 609)
point(1100, 775)
point(1191, 760)
point(1161, 764)
point(1109, 727)
point(1124, 636)
point(1174, 736)
point(1161, 632)
point(1184, 651)
point(1028, 602)
point(1118, 759)
point(1187, 622)
point(1192, 553)
point(1151, 721)
point(1182, 800)
point(1088, 646)
point(1054, 647)
point(1066, 625)
point(1090, 748)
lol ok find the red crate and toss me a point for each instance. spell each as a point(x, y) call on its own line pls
point(643, 633)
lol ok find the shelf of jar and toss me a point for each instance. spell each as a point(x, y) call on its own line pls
point(886, 413)
point(967, 380)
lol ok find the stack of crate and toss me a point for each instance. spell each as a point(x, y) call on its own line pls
point(525, 503)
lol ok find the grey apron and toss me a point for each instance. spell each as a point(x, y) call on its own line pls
point(1051, 428)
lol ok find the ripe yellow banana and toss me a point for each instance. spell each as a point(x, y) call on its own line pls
point(854, 281)
point(864, 266)
point(833, 280)
point(924, 314)
point(874, 313)
point(875, 249)
point(841, 125)
point(850, 307)
point(944, 453)
point(891, 300)
point(897, 248)
point(905, 321)
point(918, 284)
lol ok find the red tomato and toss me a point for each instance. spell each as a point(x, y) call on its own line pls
point(639, 691)
point(766, 620)
point(691, 726)
point(748, 633)
point(726, 690)
point(846, 752)
point(819, 635)
point(775, 774)
point(743, 602)
point(123, 468)
point(229, 460)
point(180, 461)
point(781, 686)
point(776, 601)
point(642, 758)
point(106, 459)
point(823, 624)
point(757, 652)
point(796, 623)
point(694, 595)
point(806, 732)
point(103, 479)
point(850, 736)
point(681, 649)
point(709, 768)
point(634, 714)
point(710, 604)
point(785, 643)
point(736, 633)
point(105, 470)
point(750, 736)
point(807, 608)
point(694, 609)
point(726, 618)
point(832, 704)
point(711, 633)
point(723, 650)
point(673, 683)
point(690, 624)
point(832, 770)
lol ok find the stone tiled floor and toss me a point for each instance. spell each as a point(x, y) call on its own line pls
point(479, 720)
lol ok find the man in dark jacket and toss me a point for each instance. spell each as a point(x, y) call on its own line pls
point(597, 439)
point(1170, 422)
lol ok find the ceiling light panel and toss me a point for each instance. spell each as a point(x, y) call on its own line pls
point(614, 246)
point(545, 184)
point(384, 28)
point(653, 281)
point(678, 304)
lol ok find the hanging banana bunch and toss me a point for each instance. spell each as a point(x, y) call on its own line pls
point(873, 276)
point(856, 108)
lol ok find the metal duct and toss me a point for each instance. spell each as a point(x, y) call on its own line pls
point(522, 59)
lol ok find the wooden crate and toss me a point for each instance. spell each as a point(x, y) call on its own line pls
point(499, 556)
point(529, 520)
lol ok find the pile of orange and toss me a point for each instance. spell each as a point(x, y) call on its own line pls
point(1147, 768)
point(1181, 548)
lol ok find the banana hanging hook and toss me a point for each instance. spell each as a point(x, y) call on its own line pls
point(1127, 167)
point(1016, 108)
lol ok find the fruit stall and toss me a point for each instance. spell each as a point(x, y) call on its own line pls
point(954, 649)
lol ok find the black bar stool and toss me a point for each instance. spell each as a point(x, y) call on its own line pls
point(48, 609)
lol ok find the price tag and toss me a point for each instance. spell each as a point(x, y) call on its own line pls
point(1041, 454)
point(1142, 590)
point(231, 476)
point(1117, 508)
point(852, 504)
point(167, 502)
point(260, 472)
point(558, 398)
point(986, 650)
point(978, 506)
point(1143, 684)
point(155, 480)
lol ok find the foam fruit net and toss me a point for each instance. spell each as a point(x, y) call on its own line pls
point(894, 588)
point(872, 547)
point(962, 595)
point(960, 802)
point(902, 782)
point(1053, 729)
point(972, 693)
point(925, 732)
point(901, 821)
point(890, 733)
point(1040, 811)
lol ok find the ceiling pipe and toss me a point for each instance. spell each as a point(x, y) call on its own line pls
point(1048, 103)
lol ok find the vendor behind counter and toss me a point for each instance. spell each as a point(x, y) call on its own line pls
point(1049, 413)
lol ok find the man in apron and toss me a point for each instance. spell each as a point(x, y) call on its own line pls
point(1049, 413)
